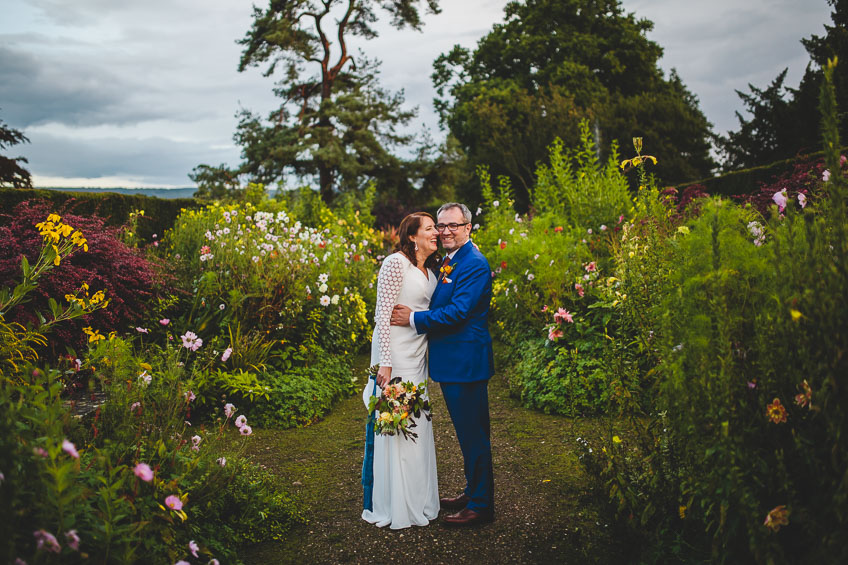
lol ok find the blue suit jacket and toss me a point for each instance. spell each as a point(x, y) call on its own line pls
point(457, 323)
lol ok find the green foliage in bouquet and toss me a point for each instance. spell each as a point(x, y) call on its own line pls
point(397, 403)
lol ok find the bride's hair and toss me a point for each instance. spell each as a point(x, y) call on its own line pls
point(409, 227)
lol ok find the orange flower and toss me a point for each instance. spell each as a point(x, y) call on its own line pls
point(503, 245)
point(778, 516)
point(776, 412)
point(503, 264)
point(805, 398)
point(557, 229)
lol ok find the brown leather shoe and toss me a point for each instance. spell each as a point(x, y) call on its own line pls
point(457, 503)
point(467, 517)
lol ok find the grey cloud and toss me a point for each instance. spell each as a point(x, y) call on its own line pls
point(37, 90)
point(155, 160)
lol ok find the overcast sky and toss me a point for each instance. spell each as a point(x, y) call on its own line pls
point(137, 93)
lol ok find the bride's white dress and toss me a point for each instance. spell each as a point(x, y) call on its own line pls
point(406, 490)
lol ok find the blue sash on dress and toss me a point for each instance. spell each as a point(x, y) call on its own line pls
point(368, 461)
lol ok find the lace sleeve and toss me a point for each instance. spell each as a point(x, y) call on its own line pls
point(389, 282)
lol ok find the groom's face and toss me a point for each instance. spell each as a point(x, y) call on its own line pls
point(453, 239)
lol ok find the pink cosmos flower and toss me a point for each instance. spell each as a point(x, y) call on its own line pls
point(826, 175)
point(173, 502)
point(227, 352)
point(143, 472)
point(222, 461)
point(545, 308)
point(780, 199)
point(70, 449)
point(591, 267)
point(192, 547)
point(246, 430)
point(191, 341)
point(164, 321)
point(579, 288)
point(142, 330)
point(554, 334)
point(562, 315)
point(802, 199)
point(190, 396)
point(229, 410)
point(47, 541)
point(241, 421)
point(73, 539)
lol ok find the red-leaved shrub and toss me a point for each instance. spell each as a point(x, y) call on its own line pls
point(123, 272)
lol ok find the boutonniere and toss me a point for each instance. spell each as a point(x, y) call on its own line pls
point(446, 280)
point(446, 269)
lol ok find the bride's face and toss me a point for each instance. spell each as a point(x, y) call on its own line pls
point(427, 238)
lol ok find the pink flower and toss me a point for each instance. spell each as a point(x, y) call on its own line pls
point(229, 410)
point(222, 461)
point(802, 199)
point(143, 472)
point(181, 562)
point(41, 452)
point(192, 547)
point(241, 421)
point(621, 218)
point(545, 308)
point(591, 267)
point(173, 502)
point(579, 288)
point(826, 175)
point(603, 228)
point(47, 541)
point(554, 333)
point(164, 321)
point(227, 352)
point(72, 539)
point(189, 396)
point(589, 231)
point(780, 199)
point(70, 449)
point(842, 159)
point(191, 341)
point(204, 250)
point(562, 315)
point(246, 430)
point(142, 330)
point(214, 562)
point(19, 561)
point(134, 406)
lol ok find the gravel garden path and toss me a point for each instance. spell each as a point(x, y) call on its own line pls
point(546, 509)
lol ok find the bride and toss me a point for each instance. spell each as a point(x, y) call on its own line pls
point(405, 491)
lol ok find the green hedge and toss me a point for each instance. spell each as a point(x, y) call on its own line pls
point(747, 181)
point(115, 208)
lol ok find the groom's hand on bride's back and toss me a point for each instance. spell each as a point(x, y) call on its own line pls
point(400, 315)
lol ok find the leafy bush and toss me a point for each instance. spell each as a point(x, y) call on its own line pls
point(122, 273)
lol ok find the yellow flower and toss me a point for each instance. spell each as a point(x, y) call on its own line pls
point(682, 511)
point(616, 439)
point(637, 144)
point(796, 315)
point(683, 229)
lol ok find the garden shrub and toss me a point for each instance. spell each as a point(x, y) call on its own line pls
point(124, 274)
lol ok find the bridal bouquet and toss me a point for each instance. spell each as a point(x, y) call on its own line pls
point(398, 401)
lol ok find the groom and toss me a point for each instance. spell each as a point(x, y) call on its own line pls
point(461, 360)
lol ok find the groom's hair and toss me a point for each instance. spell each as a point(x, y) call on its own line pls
point(466, 213)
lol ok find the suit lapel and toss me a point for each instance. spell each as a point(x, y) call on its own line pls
point(457, 258)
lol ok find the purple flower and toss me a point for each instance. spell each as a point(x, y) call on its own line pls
point(73, 539)
point(227, 352)
point(780, 199)
point(173, 502)
point(191, 341)
point(70, 449)
point(192, 547)
point(47, 541)
point(752, 385)
point(143, 472)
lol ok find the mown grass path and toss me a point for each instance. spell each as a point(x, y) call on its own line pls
point(546, 510)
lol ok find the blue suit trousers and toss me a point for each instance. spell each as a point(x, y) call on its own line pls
point(468, 405)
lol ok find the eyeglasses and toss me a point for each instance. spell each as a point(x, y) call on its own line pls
point(452, 226)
